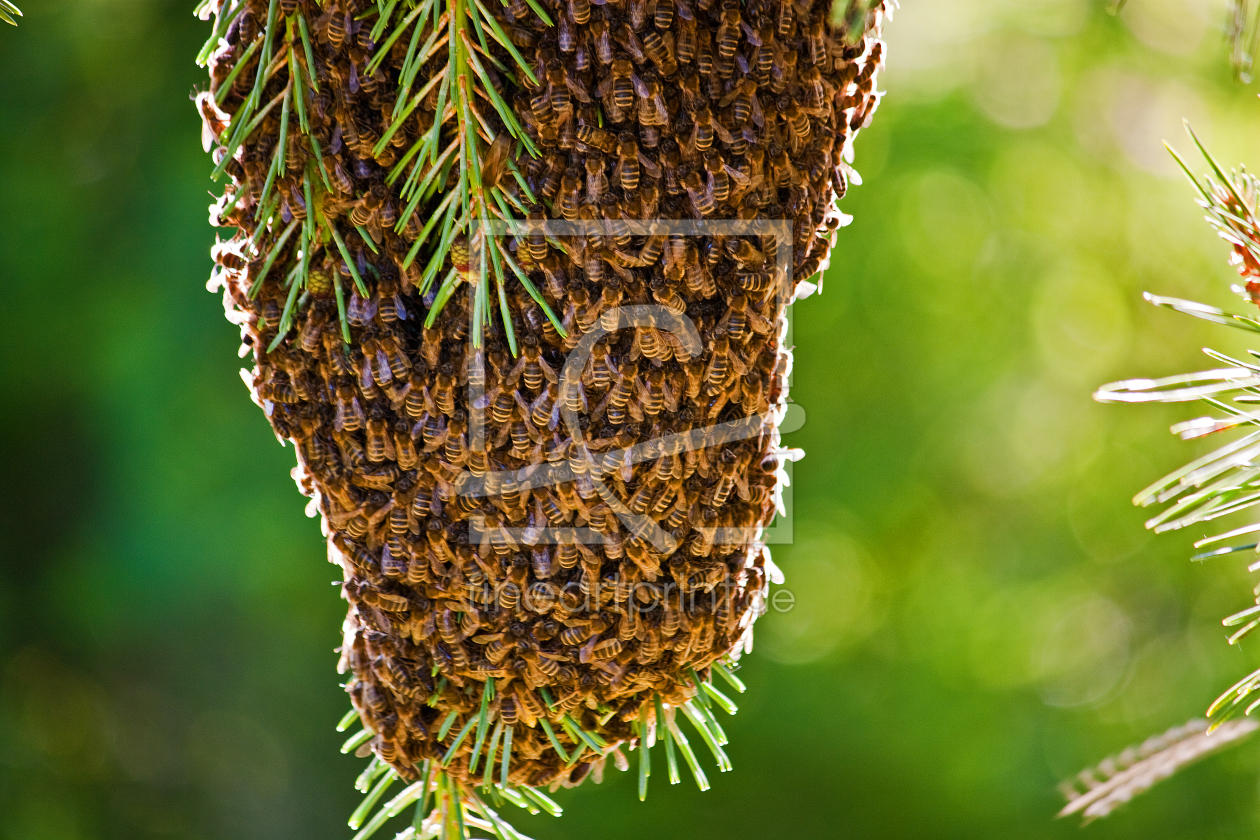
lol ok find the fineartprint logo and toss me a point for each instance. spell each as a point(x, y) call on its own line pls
point(594, 472)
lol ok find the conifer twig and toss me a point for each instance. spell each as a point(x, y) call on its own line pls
point(1097, 791)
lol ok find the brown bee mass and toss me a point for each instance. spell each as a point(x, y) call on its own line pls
point(584, 543)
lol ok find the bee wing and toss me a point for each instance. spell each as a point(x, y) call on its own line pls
point(639, 86)
point(577, 89)
point(604, 87)
point(649, 165)
point(662, 113)
point(738, 177)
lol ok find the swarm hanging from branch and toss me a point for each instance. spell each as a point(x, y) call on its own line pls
point(514, 279)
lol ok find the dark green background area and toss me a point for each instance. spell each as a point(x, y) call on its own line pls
point(978, 610)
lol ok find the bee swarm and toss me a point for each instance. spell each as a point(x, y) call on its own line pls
point(645, 109)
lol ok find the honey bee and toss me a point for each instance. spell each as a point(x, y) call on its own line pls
point(701, 196)
point(596, 139)
point(815, 93)
point(657, 394)
point(649, 646)
point(704, 54)
point(797, 120)
point(685, 40)
point(606, 649)
point(719, 179)
point(603, 41)
point(699, 280)
point(745, 103)
point(740, 316)
point(755, 282)
point(558, 89)
point(509, 711)
point(816, 39)
point(310, 337)
point(455, 447)
point(365, 209)
point(663, 14)
point(404, 446)
point(578, 631)
point(706, 128)
point(433, 431)
point(566, 37)
point(379, 446)
point(722, 363)
point(444, 389)
point(567, 554)
point(335, 26)
point(422, 504)
point(653, 248)
point(783, 71)
point(540, 107)
point(532, 369)
point(549, 182)
point(744, 254)
point(544, 413)
point(601, 371)
point(617, 89)
point(349, 414)
point(651, 343)
point(596, 180)
point(653, 109)
point(448, 627)
point(671, 621)
point(784, 173)
point(661, 53)
point(536, 243)
point(614, 406)
point(340, 179)
point(609, 298)
point(580, 11)
point(503, 406)
point(570, 188)
point(522, 440)
point(783, 20)
point(418, 403)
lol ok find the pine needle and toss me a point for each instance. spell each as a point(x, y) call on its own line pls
point(1098, 791)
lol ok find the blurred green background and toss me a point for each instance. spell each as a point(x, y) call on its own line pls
point(979, 612)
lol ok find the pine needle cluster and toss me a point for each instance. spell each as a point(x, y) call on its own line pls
point(1220, 483)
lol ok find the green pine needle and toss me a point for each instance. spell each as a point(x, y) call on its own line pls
point(360, 813)
point(357, 740)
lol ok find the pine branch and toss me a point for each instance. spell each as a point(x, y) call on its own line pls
point(1224, 481)
point(1097, 791)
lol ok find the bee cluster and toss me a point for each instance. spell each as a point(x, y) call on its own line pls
point(643, 110)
